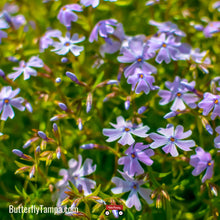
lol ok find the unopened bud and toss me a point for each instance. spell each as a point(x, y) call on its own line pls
point(89, 102)
point(72, 76)
point(63, 106)
point(42, 135)
point(142, 109)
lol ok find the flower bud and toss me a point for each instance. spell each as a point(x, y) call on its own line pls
point(42, 135)
point(80, 125)
point(58, 80)
point(64, 60)
point(63, 106)
point(142, 109)
point(87, 146)
point(72, 76)
point(89, 102)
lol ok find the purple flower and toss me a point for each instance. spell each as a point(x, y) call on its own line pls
point(26, 68)
point(67, 44)
point(66, 14)
point(123, 130)
point(200, 161)
point(3, 25)
point(179, 94)
point(129, 184)
point(136, 153)
point(7, 100)
point(168, 28)
point(47, 40)
point(103, 28)
point(93, 3)
point(216, 5)
point(168, 48)
point(212, 28)
point(217, 139)
point(141, 81)
point(114, 41)
point(210, 102)
point(136, 53)
point(199, 58)
point(172, 138)
point(152, 2)
point(76, 174)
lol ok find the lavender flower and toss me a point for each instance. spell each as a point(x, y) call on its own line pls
point(3, 25)
point(217, 139)
point(141, 81)
point(200, 161)
point(26, 68)
point(67, 44)
point(136, 53)
point(152, 2)
point(47, 40)
point(123, 130)
point(136, 153)
point(103, 28)
point(216, 5)
point(199, 58)
point(168, 28)
point(114, 41)
point(179, 93)
point(66, 14)
point(172, 138)
point(129, 184)
point(7, 100)
point(76, 174)
point(168, 48)
point(93, 3)
point(212, 28)
point(210, 102)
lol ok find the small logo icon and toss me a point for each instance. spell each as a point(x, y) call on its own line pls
point(117, 208)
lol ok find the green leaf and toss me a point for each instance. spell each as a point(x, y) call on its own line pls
point(72, 186)
point(96, 192)
point(87, 210)
point(98, 80)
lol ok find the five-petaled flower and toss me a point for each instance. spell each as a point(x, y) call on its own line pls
point(210, 102)
point(123, 130)
point(7, 100)
point(132, 185)
point(172, 138)
point(136, 53)
point(67, 44)
point(141, 81)
point(26, 68)
point(66, 14)
point(167, 46)
point(179, 94)
point(135, 153)
point(76, 174)
point(200, 161)
point(103, 28)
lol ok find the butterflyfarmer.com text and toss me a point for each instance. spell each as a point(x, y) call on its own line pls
point(40, 209)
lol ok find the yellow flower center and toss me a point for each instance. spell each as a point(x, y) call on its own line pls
point(139, 60)
point(141, 76)
point(216, 101)
point(6, 101)
point(67, 44)
point(164, 45)
point(127, 129)
point(133, 155)
point(178, 94)
point(209, 163)
point(172, 139)
point(64, 8)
